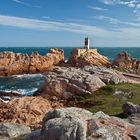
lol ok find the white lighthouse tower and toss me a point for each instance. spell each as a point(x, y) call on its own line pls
point(86, 45)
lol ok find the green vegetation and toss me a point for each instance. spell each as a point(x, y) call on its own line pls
point(105, 100)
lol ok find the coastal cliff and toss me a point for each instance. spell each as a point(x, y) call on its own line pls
point(83, 57)
point(16, 63)
point(85, 82)
point(125, 62)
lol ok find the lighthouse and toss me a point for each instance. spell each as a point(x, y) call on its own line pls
point(86, 45)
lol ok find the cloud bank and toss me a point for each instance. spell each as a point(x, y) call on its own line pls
point(125, 35)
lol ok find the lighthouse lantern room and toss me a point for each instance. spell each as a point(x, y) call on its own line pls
point(86, 45)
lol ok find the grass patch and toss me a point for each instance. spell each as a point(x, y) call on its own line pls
point(105, 100)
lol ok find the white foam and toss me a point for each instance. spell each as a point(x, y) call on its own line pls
point(6, 97)
point(23, 92)
point(4, 100)
point(9, 91)
point(27, 75)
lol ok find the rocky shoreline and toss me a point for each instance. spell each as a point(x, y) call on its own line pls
point(16, 63)
point(46, 112)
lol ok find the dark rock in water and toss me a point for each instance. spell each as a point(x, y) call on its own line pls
point(10, 131)
point(125, 62)
point(79, 124)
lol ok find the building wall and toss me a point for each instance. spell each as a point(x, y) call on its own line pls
point(81, 51)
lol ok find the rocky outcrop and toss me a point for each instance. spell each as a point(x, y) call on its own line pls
point(10, 131)
point(125, 62)
point(83, 57)
point(107, 75)
point(25, 110)
point(63, 82)
point(17, 63)
point(75, 123)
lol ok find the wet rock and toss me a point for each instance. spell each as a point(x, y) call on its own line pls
point(126, 63)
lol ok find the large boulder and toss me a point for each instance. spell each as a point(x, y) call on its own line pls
point(125, 62)
point(107, 75)
point(16, 63)
point(10, 131)
point(79, 124)
point(83, 57)
point(64, 82)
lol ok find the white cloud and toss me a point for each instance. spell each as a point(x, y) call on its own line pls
point(45, 17)
point(26, 4)
point(117, 21)
point(138, 6)
point(18, 1)
point(45, 25)
point(97, 8)
point(109, 19)
point(129, 3)
point(134, 4)
point(124, 36)
point(109, 2)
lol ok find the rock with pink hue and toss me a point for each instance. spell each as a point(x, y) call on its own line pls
point(17, 63)
point(125, 62)
point(83, 57)
point(76, 123)
point(64, 82)
point(25, 110)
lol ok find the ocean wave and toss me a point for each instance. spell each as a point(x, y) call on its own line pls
point(5, 101)
point(23, 92)
point(27, 76)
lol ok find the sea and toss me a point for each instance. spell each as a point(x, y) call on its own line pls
point(28, 84)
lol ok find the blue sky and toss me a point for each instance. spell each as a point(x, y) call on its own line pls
point(66, 22)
